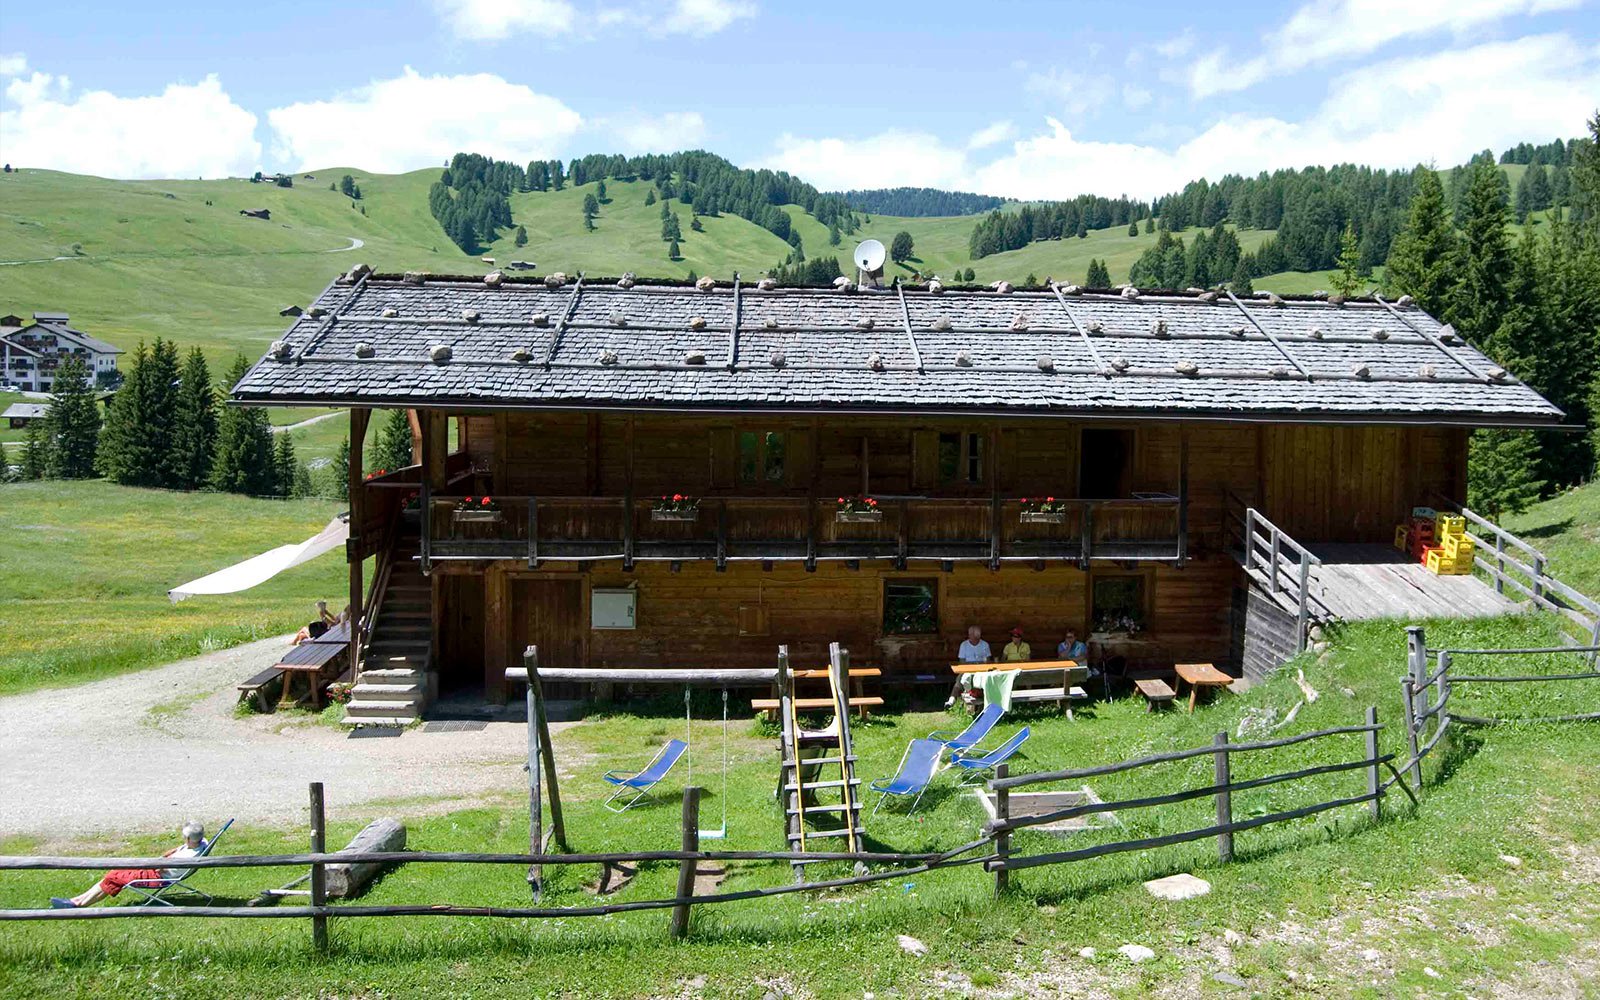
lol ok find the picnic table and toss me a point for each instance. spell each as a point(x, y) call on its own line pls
point(310, 659)
point(1197, 676)
point(1064, 693)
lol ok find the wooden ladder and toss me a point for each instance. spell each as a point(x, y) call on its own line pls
point(837, 750)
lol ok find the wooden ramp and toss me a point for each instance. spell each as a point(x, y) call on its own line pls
point(1375, 581)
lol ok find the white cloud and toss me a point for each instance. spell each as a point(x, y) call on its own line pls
point(413, 121)
point(889, 159)
point(705, 17)
point(493, 20)
point(1135, 97)
point(185, 131)
point(13, 64)
point(1328, 30)
point(663, 133)
point(1441, 107)
point(1070, 90)
point(989, 135)
point(489, 20)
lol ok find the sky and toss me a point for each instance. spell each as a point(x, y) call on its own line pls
point(1028, 100)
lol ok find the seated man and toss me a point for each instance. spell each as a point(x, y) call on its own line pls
point(973, 650)
point(194, 841)
point(1016, 650)
point(315, 630)
point(1072, 648)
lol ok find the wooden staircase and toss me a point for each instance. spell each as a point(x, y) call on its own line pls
point(396, 682)
point(818, 752)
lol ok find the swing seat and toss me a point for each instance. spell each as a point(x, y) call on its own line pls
point(639, 783)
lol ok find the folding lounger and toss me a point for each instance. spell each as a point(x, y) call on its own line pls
point(640, 782)
point(977, 764)
point(973, 734)
point(155, 890)
point(917, 766)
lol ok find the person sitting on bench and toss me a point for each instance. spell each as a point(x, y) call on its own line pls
point(194, 842)
point(1072, 648)
point(973, 650)
point(316, 629)
point(1016, 650)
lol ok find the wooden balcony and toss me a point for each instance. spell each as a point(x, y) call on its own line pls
point(798, 529)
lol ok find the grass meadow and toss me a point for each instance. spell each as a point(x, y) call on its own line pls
point(1309, 896)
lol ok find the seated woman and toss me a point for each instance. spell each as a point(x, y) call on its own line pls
point(194, 841)
point(316, 629)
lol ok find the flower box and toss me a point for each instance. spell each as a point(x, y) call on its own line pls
point(477, 516)
point(691, 514)
point(1044, 517)
point(858, 516)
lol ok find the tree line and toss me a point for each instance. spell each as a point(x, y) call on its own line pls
point(921, 202)
point(1000, 231)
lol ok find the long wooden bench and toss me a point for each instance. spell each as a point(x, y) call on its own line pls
point(1038, 680)
point(258, 685)
point(811, 704)
point(1157, 692)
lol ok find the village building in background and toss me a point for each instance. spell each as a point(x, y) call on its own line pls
point(32, 350)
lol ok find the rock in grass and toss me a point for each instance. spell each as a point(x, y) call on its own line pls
point(1177, 887)
point(1229, 979)
point(911, 945)
point(1512, 860)
point(1086, 952)
point(1136, 953)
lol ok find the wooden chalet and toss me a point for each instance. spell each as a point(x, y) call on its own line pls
point(1195, 446)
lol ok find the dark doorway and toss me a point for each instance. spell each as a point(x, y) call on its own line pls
point(461, 649)
point(1105, 461)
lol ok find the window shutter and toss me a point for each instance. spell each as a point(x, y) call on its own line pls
point(724, 458)
point(800, 460)
point(924, 459)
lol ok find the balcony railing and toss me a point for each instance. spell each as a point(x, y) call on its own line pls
point(800, 529)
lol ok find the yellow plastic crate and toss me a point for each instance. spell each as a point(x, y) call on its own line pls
point(1457, 546)
point(1440, 563)
point(1402, 537)
point(1449, 524)
point(1464, 564)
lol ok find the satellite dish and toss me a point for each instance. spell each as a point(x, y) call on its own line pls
point(870, 256)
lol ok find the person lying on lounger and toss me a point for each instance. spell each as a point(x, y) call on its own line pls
point(194, 841)
point(325, 620)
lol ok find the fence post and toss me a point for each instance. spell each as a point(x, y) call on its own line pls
point(319, 877)
point(1002, 843)
point(690, 866)
point(1224, 799)
point(1249, 530)
point(1305, 605)
point(1272, 570)
point(530, 659)
point(1538, 578)
point(1372, 764)
point(1410, 710)
point(1417, 664)
point(1499, 563)
point(1440, 685)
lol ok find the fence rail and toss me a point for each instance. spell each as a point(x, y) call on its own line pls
point(1277, 562)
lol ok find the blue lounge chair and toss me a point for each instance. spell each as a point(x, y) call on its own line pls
point(156, 890)
point(974, 733)
point(917, 766)
point(640, 782)
point(978, 764)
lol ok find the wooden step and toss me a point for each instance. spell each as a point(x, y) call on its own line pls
point(820, 760)
point(834, 783)
point(808, 810)
point(392, 675)
point(357, 708)
point(841, 832)
point(366, 691)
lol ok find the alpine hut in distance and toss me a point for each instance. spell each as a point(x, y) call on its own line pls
point(688, 475)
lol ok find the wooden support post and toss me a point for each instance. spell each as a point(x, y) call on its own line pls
point(354, 547)
point(1376, 805)
point(530, 659)
point(1183, 494)
point(1304, 615)
point(1538, 578)
point(687, 869)
point(1224, 798)
point(1409, 707)
point(319, 875)
point(1002, 842)
point(1085, 530)
point(1249, 538)
point(1441, 684)
point(1499, 563)
point(1272, 569)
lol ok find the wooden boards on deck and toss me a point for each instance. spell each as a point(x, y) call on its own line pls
point(1359, 581)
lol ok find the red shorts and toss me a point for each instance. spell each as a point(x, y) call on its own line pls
point(115, 880)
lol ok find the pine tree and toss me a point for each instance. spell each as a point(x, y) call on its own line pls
point(674, 252)
point(72, 423)
point(1133, 228)
point(1479, 298)
point(244, 459)
point(600, 191)
point(1347, 276)
point(1149, 225)
point(1099, 275)
point(901, 247)
point(303, 486)
point(194, 438)
point(833, 236)
point(696, 225)
point(283, 464)
point(650, 197)
point(337, 485)
point(36, 452)
point(968, 276)
point(392, 450)
point(1241, 279)
point(162, 414)
point(123, 456)
point(1422, 259)
point(1501, 477)
point(521, 239)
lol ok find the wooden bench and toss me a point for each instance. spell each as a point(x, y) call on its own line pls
point(1038, 680)
point(812, 704)
point(1200, 675)
point(858, 693)
point(258, 685)
point(1156, 691)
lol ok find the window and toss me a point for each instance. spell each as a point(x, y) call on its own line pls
point(761, 455)
point(1105, 459)
point(910, 607)
point(961, 458)
point(1118, 603)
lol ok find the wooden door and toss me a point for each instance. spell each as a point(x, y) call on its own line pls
point(548, 613)
point(459, 607)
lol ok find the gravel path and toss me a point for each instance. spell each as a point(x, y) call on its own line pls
point(146, 750)
point(319, 418)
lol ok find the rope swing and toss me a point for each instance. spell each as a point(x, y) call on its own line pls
point(719, 832)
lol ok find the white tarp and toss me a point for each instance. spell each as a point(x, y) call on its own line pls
point(259, 569)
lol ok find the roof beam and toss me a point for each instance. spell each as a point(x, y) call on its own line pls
point(566, 317)
point(333, 315)
point(1275, 341)
point(1430, 338)
point(905, 317)
point(1100, 362)
point(733, 331)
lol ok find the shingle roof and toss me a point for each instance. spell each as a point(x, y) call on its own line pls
point(28, 411)
point(381, 339)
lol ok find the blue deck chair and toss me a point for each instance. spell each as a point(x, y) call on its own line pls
point(156, 890)
point(917, 766)
point(974, 733)
point(640, 782)
point(979, 764)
